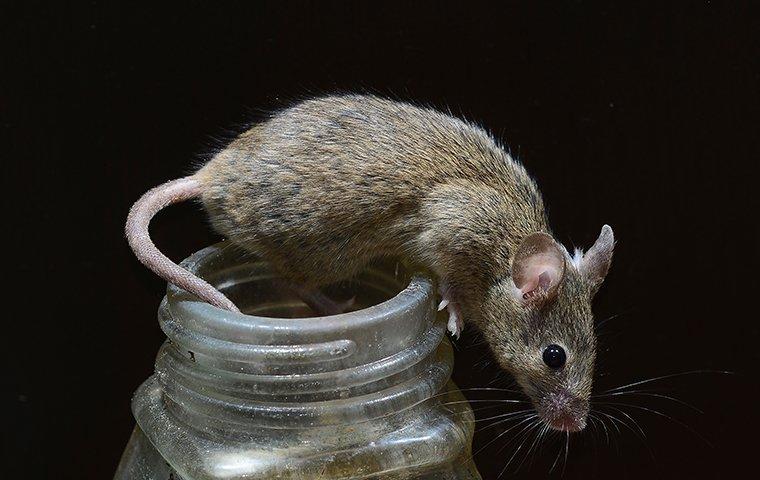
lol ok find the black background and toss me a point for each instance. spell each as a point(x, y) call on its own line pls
point(644, 117)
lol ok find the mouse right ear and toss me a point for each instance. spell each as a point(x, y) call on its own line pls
point(537, 268)
point(595, 263)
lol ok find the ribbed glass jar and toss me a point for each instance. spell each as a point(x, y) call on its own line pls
point(266, 394)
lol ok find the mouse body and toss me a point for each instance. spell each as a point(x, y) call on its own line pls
point(323, 187)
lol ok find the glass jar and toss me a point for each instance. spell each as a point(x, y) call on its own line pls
point(266, 394)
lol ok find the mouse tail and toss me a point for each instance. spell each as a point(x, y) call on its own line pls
point(139, 240)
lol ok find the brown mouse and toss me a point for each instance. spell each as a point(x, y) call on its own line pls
point(323, 187)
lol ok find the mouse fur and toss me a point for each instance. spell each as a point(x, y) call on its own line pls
point(327, 185)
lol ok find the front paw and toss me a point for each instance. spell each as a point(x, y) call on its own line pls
point(455, 324)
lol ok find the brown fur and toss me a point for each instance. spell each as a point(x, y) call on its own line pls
point(325, 186)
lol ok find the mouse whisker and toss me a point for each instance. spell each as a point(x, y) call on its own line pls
point(521, 422)
point(591, 427)
point(546, 435)
point(500, 375)
point(602, 420)
point(524, 434)
point(663, 377)
point(539, 433)
point(649, 394)
point(495, 389)
point(567, 452)
point(641, 434)
point(502, 421)
point(614, 421)
point(565, 447)
point(447, 392)
point(601, 424)
point(604, 394)
point(638, 431)
point(480, 389)
point(556, 459)
point(483, 401)
point(490, 407)
point(660, 414)
point(596, 419)
point(503, 415)
point(603, 322)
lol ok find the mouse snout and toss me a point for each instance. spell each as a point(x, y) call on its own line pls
point(564, 411)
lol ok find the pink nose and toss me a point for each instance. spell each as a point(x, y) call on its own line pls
point(565, 412)
point(568, 423)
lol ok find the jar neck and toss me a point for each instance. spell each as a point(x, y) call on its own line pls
point(294, 372)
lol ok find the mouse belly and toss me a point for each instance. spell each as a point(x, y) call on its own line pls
point(312, 234)
point(313, 260)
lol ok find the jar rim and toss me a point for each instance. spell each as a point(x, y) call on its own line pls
point(184, 304)
point(257, 344)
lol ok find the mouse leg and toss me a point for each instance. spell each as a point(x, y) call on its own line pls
point(322, 304)
point(456, 324)
point(319, 302)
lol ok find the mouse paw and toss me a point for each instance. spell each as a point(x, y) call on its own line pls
point(346, 305)
point(318, 302)
point(455, 324)
point(323, 305)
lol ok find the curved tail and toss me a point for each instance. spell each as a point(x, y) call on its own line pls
point(139, 240)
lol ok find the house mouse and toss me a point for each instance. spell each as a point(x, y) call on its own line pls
point(323, 187)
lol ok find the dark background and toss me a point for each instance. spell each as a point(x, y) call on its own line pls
point(644, 117)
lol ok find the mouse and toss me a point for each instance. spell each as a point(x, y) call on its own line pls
point(323, 187)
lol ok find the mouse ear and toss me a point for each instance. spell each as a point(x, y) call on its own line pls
point(596, 262)
point(537, 268)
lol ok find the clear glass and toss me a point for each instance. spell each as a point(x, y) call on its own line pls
point(269, 394)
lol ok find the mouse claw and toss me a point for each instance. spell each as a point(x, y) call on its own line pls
point(444, 303)
point(455, 325)
point(347, 305)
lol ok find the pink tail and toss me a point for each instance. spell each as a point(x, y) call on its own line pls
point(136, 229)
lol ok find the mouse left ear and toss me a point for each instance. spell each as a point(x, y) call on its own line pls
point(537, 268)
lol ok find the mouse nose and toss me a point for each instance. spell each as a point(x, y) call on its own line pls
point(568, 423)
point(565, 412)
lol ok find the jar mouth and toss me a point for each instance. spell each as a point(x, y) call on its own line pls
point(258, 291)
point(259, 344)
point(261, 294)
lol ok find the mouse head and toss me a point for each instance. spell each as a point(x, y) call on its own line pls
point(540, 326)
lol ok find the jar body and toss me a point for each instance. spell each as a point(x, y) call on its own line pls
point(422, 449)
point(361, 395)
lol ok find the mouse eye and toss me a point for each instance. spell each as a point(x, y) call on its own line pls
point(554, 356)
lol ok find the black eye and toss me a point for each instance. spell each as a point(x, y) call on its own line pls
point(554, 356)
